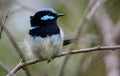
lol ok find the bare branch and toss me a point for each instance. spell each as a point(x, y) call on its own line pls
point(88, 13)
point(16, 47)
point(105, 27)
point(98, 48)
point(4, 23)
point(94, 8)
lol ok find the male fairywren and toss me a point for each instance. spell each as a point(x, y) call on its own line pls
point(45, 37)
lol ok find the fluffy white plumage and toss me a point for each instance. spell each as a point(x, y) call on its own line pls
point(44, 48)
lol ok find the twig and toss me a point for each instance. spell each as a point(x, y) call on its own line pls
point(90, 10)
point(76, 39)
point(16, 47)
point(4, 23)
point(105, 28)
point(94, 8)
point(98, 48)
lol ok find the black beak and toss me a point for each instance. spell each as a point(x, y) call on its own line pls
point(59, 15)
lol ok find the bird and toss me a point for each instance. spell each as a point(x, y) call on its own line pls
point(45, 38)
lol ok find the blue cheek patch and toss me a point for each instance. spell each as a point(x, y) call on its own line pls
point(33, 27)
point(47, 17)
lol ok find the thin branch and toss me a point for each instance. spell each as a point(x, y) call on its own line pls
point(105, 27)
point(76, 37)
point(4, 23)
point(88, 13)
point(16, 47)
point(94, 8)
point(98, 48)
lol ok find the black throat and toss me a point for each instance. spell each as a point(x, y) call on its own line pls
point(45, 30)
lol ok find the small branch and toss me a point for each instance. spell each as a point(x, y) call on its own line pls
point(4, 23)
point(18, 50)
point(94, 8)
point(98, 48)
point(105, 27)
point(88, 13)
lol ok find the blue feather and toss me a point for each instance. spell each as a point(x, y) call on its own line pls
point(47, 9)
point(47, 17)
point(33, 27)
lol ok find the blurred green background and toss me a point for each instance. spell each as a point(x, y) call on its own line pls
point(87, 64)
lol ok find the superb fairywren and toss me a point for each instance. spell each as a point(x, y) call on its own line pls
point(45, 37)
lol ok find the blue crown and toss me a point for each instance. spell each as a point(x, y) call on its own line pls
point(47, 9)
